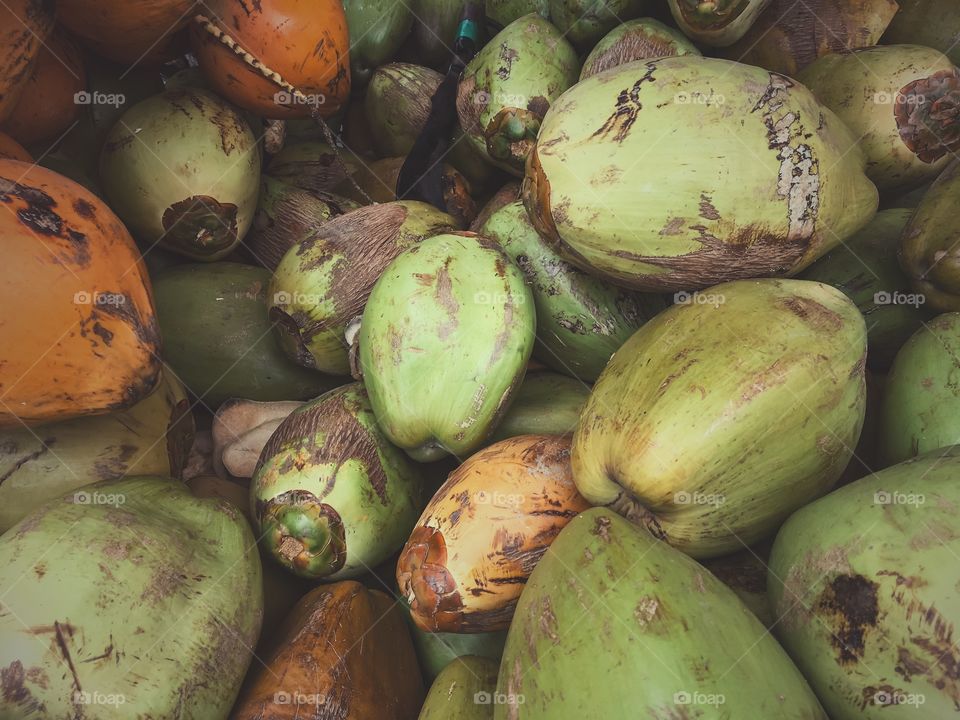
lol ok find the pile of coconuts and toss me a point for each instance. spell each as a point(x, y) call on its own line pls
point(652, 411)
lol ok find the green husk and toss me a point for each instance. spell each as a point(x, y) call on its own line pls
point(866, 608)
point(444, 342)
point(581, 319)
point(866, 269)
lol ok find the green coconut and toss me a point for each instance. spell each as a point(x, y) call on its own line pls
point(716, 22)
point(546, 403)
point(397, 104)
point(218, 338)
point(287, 214)
point(436, 650)
point(183, 169)
point(901, 101)
point(332, 498)
point(921, 407)
point(152, 437)
point(581, 319)
point(932, 23)
point(616, 624)
point(640, 39)
point(377, 30)
point(434, 29)
point(312, 166)
point(504, 12)
point(777, 180)
point(862, 582)
point(132, 599)
point(584, 22)
point(463, 691)
point(444, 343)
point(508, 87)
point(721, 416)
point(322, 284)
point(867, 270)
point(929, 247)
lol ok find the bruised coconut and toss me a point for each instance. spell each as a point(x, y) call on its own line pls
point(164, 605)
point(80, 336)
point(484, 531)
point(901, 101)
point(343, 650)
point(618, 624)
point(286, 215)
point(581, 319)
point(331, 496)
point(720, 417)
point(929, 253)
point(397, 104)
point(641, 39)
point(444, 342)
point(866, 610)
point(778, 182)
point(508, 87)
point(322, 284)
point(203, 213)
point(788, 35)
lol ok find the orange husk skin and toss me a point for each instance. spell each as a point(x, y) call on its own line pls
point(78, 334)
point(479, 538)
point(10, 149)
point(47, 107)
point(131, 33)
point(250, 52)
point(343, 652)
point(24, 25)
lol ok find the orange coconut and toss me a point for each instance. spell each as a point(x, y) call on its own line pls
point(78, 335)
point(281, 59)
